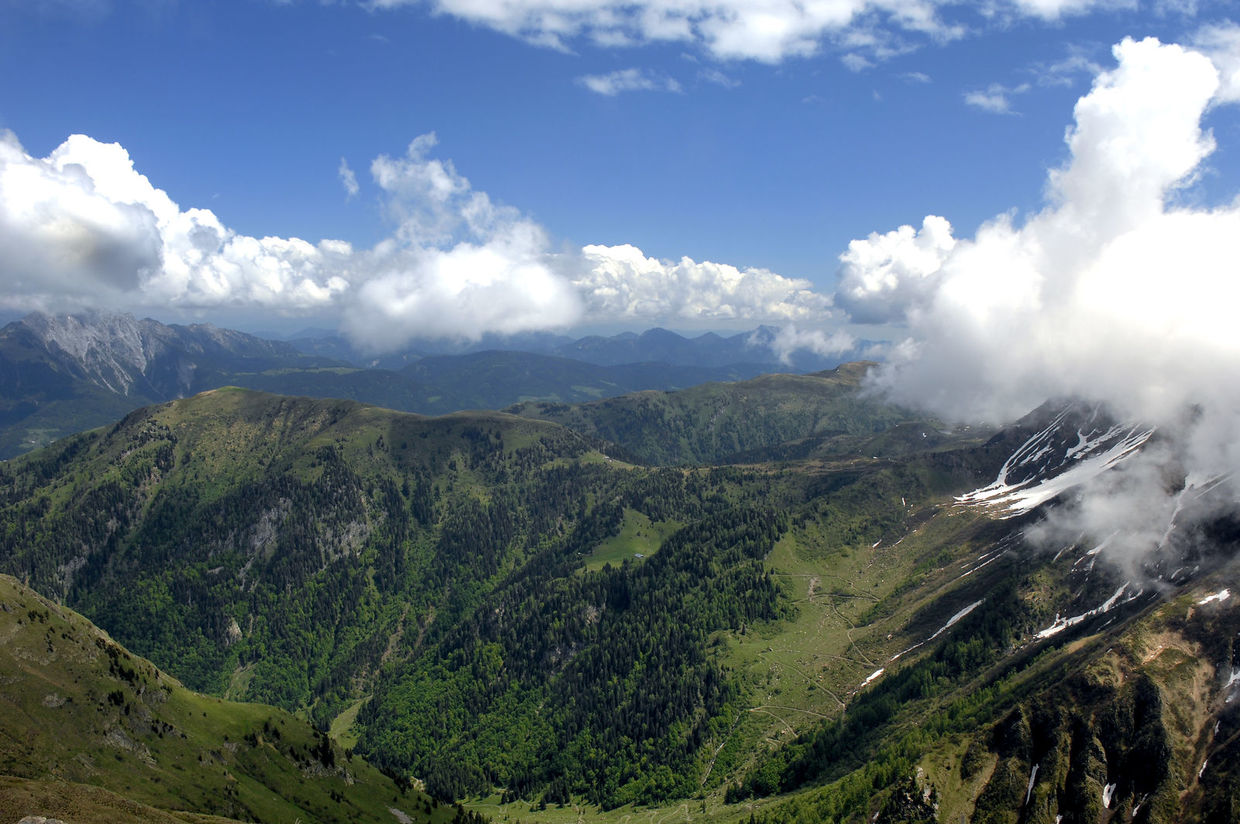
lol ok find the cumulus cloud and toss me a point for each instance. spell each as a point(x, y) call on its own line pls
point(628, 80)
point(884, 275)
point(764, 30)
point(81, 226)
point(457, 265)
point(1110, 293)
point(621, 283)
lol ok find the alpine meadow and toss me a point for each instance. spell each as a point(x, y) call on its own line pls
point(602, 462)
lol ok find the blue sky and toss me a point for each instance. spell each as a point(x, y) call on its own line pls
point(737, 151)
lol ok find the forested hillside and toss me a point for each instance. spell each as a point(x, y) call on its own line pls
point(502, 608)
point(318, 554)
point(782, 416)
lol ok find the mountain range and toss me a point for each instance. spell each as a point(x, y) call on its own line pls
point(756, 347)
point(66, 373)
point(772, 600)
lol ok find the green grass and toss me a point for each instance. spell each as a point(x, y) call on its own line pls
point(638, 536)
point(342, 725)
point(79, 708)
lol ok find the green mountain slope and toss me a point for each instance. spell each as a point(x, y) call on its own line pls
point(483, 380)
point(450, 574)
point(488, 603)
point(311, 553)
point(721, 422)
point(90, 732)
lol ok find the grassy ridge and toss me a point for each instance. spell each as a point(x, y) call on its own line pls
point(714, 421)
point(96, 733)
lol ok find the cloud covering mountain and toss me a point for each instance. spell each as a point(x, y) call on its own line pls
point(1120, 291)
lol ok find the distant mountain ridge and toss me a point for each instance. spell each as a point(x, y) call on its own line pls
point(61, 374)
point(144, 357)
point(755, 347)
point(65, 373)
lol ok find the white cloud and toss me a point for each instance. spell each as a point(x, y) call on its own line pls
point(348, 179)
point(764, 30)
point(917, 77)
point(1058, 9)
point(856, 63)
point(457, 265)
point(718, 78)
point(995, 98)
point(620, 282)
point(81, 226)
point(502, 283)
point(1066, 71)
point(628, 80)
point(789, 340)
point(1222, 43)
point(883, 276)
point(1109, 293)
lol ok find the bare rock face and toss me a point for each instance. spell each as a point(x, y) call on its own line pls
point(147, 358)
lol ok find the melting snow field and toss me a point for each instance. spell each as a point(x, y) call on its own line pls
point(1107, 792)
point(1221, 595)
point(950, 623)
point(1091, 457)
point(872, 677)
point(1231, 682)
point(1060, 624)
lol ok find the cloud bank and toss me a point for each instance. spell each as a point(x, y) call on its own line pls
point(83, 228)
point(1113, 293)
point(621, 283)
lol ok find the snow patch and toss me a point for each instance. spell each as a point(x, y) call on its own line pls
point(1107, 793)
point(872, 677)
point(1033, 775)
point(950, 623)
point(986, 563)
point(1060, 623)
point(1221, 595)
point(1091, 457)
